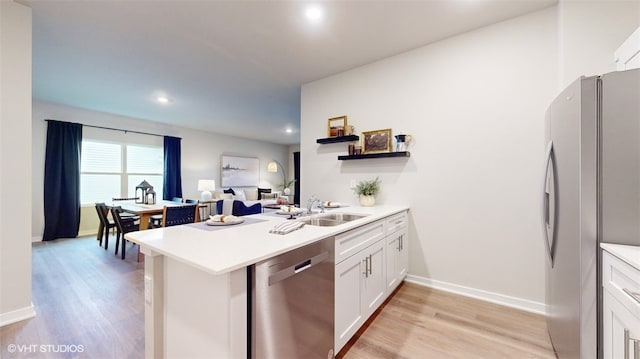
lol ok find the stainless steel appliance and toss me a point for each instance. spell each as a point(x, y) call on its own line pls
point(591, 194)
point(292, 303)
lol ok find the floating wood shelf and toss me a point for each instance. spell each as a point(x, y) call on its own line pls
point(375, 155)
point(338, 139)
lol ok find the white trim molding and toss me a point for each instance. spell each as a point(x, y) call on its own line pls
point(507, 301)
point(17, 315)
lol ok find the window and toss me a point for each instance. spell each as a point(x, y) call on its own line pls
point(110, 170)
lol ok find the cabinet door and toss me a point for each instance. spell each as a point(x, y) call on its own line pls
point(374, 283)
point(349, 313)
point(397, 259)
point(621, 330)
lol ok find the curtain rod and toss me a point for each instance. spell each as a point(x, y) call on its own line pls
point(113, 129)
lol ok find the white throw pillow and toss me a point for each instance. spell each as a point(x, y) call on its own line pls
point(269, 195)
point(240, 196)
point(225, 196)
point(251, 194)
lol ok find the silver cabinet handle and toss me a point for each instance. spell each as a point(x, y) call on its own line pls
point(366, 267)
point(369, 264)
point(626, 343)
point(636, 345)
point(635, 296)
point(545, 201)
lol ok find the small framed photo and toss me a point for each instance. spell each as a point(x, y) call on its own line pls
point(336, 126)
point(377, 141)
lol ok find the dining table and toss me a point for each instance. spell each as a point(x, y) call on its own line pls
point(145, 211)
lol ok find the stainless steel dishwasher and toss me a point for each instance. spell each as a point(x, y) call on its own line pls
point(292, 304)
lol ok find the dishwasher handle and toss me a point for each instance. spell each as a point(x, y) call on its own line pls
point(298, 268)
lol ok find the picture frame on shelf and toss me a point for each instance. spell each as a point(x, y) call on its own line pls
point(336, 126)
point(378, 141)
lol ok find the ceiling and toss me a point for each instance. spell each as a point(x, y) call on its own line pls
point(232, 67)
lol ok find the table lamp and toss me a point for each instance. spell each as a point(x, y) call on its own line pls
point(206, 186)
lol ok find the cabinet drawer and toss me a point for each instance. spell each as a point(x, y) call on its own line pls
point(397, 222)
point(622, 281)
point(353, 241)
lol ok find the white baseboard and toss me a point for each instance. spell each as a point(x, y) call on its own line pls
point(36, 239)
point(507, 301)
point(17, 315)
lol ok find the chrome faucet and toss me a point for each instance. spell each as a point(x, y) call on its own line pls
point(313, 201)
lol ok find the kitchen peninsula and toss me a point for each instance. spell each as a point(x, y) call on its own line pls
point(196, 288)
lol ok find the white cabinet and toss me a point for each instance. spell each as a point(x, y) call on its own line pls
point(621, 309)
point(371, 261)
point(397, 253)
point(360, 289)
point(373, 283)
point(397, 259)
point(628, 54)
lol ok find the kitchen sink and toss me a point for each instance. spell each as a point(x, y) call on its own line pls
point(343, 217)
point(331, 219)
point(321, 222)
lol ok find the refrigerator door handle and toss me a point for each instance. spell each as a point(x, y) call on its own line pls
point(546, 221)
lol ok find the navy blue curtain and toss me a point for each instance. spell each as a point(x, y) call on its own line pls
point(62, 180)
point(172, 184)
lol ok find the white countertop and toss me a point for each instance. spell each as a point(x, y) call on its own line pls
point(629, 254)
point(237, 246)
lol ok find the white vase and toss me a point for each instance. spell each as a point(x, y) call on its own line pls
point(367, 201)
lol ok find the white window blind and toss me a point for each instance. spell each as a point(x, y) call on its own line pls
point(109, 170)
point(143, 159)
point(101, 157)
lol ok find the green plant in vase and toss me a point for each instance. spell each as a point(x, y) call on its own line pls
point(367, 190)
point(286, 184)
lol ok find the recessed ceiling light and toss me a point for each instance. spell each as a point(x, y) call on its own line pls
point(314, 13)
point(288, 130)
point(162, 99)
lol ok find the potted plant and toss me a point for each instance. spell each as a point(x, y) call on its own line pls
point(366, 190)
point(286, 184)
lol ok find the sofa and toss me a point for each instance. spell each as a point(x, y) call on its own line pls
point(250, 196)
point(238, 208)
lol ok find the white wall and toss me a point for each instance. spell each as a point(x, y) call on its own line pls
point(475, 106)
point(589, 33)
point(15, 160)
point(201, 151)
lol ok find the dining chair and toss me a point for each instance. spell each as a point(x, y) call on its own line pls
point(177, 215)
point(124, 226)
point(125, 214)
point(202, 209)
point(105, 224)
point(156, 219)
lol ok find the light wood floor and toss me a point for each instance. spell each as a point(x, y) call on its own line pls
point(419, 322)
point(84, 295)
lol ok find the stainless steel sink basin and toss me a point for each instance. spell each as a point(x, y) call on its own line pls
point(321, 222)
point(344, 217)
point(331, 219)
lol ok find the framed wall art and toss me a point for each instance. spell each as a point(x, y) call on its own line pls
point(377, 141)
point(239, 171)
point(336, 126)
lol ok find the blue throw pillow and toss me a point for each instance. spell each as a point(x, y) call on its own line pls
point(230, 190)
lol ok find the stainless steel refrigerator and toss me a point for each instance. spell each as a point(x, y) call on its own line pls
point(591, 194)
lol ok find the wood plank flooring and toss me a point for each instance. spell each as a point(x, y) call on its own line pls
point(84, 295)
point(419, 322)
